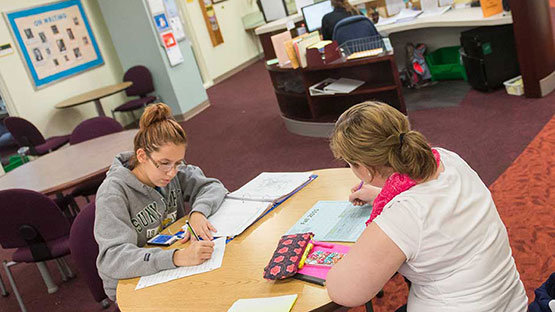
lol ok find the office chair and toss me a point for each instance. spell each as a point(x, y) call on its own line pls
point(142, 86)
point(353, 27)
point(26, 134)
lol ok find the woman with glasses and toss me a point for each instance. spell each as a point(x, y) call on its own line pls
point(144, 192)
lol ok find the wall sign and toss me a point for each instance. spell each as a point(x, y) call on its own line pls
point(55, 41)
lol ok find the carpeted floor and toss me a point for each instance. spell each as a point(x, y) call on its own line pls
point(242, 134)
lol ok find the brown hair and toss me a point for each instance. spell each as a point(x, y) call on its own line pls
point(156, 128)
point(346, 5)
point(376, 135)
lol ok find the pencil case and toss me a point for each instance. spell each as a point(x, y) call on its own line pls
point(286, 257)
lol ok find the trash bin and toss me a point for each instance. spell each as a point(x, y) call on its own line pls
point(445, 64)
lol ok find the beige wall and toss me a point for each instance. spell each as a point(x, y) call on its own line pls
point(239, 45)
point(38, 105)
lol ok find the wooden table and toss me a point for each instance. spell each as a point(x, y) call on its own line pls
point(95, 95)
point(68, 167)
point(245, 258)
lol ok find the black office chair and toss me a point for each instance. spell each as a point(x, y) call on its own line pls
point(354, 27)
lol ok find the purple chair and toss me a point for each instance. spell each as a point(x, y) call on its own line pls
point(33, 223)
point(84, 250)
point(26, 134)
point(142, 86)
point(90, 129)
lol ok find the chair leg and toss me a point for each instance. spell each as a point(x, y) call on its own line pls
point(105, 303)
point(3, 290)
point(12, 283)
point(61, 269)
point(369, 307)
point(64, 264)
point(52, 288)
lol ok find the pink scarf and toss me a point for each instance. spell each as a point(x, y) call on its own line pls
point(396, 184)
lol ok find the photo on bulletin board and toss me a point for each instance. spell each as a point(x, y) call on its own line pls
point(55, 41)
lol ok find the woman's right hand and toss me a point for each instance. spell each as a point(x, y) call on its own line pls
point(366, 194)
point(196, 253)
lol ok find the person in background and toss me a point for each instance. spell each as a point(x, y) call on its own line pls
point(144, 192)
point(433, 220)
point(341, 9)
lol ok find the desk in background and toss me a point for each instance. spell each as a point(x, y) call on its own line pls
point(245, 258)
point(95, 96)
point(67, 167)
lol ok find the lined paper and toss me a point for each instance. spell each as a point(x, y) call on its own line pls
point(169, 275)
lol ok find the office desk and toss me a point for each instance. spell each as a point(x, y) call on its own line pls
point(451, 21)
point(95, 96)
point(65, 168)
point(245, 258)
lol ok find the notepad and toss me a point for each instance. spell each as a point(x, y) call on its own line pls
point(269, 304)
point(333, 221)
point(243, 207)
point(169, 275)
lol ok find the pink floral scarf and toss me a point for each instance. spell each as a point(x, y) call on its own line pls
point(394, 185)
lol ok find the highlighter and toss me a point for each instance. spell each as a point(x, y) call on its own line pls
point(305, 254)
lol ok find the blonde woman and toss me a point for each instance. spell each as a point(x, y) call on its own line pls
point(433, 221)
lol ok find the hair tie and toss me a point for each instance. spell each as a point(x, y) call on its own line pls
point(401, 138)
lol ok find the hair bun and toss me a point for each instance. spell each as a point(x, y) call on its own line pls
point(155, 113)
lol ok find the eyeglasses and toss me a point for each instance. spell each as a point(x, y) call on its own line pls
point(178, 165)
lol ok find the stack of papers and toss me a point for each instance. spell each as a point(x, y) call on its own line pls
point(407, 15)
point(332, 86)
point(168, 275)
point(270, 304)
point(243, 207)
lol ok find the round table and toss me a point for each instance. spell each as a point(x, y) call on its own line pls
point(67, 167)
point(245, 258)
point(95, 95)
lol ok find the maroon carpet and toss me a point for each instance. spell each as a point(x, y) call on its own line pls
point(241, 134)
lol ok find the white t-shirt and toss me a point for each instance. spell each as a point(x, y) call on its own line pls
point(457, 248)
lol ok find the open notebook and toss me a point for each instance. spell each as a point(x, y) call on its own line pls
point(243, 207)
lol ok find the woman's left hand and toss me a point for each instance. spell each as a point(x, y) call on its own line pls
point(202, 226)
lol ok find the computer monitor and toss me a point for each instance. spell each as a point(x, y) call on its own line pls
point(314, 13)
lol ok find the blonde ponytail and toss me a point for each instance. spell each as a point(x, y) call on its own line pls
point(376, 135)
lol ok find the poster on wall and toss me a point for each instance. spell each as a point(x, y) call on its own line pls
point(172, 49)
point(166, 16)
point(55, 41)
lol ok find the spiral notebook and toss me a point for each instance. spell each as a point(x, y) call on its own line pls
point(243, 207)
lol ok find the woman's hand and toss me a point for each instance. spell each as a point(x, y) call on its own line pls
point(202, 226)
point(366, 194)
point(196, 253)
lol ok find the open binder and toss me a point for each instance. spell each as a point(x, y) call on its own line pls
point(255, 199)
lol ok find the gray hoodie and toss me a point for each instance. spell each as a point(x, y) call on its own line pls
point(128, 213)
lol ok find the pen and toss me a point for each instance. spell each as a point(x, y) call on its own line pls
point(360, 185)
point(190, 228)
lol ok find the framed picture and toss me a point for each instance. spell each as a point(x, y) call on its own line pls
point(50, 32)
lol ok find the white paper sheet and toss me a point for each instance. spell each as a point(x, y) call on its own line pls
point(270, 186)
point(235, 215)
point(333, 221)
point(435, 12)
point(269, 304)
point(169, 275)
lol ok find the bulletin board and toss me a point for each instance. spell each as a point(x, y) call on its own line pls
point(211, 22)
point(55, 40)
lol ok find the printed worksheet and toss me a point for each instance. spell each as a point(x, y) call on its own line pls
point(270, 186)
point(169, 275)
point(333, 221)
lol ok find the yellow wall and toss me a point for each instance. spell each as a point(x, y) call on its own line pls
point(38, 105)
point(239, 45)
